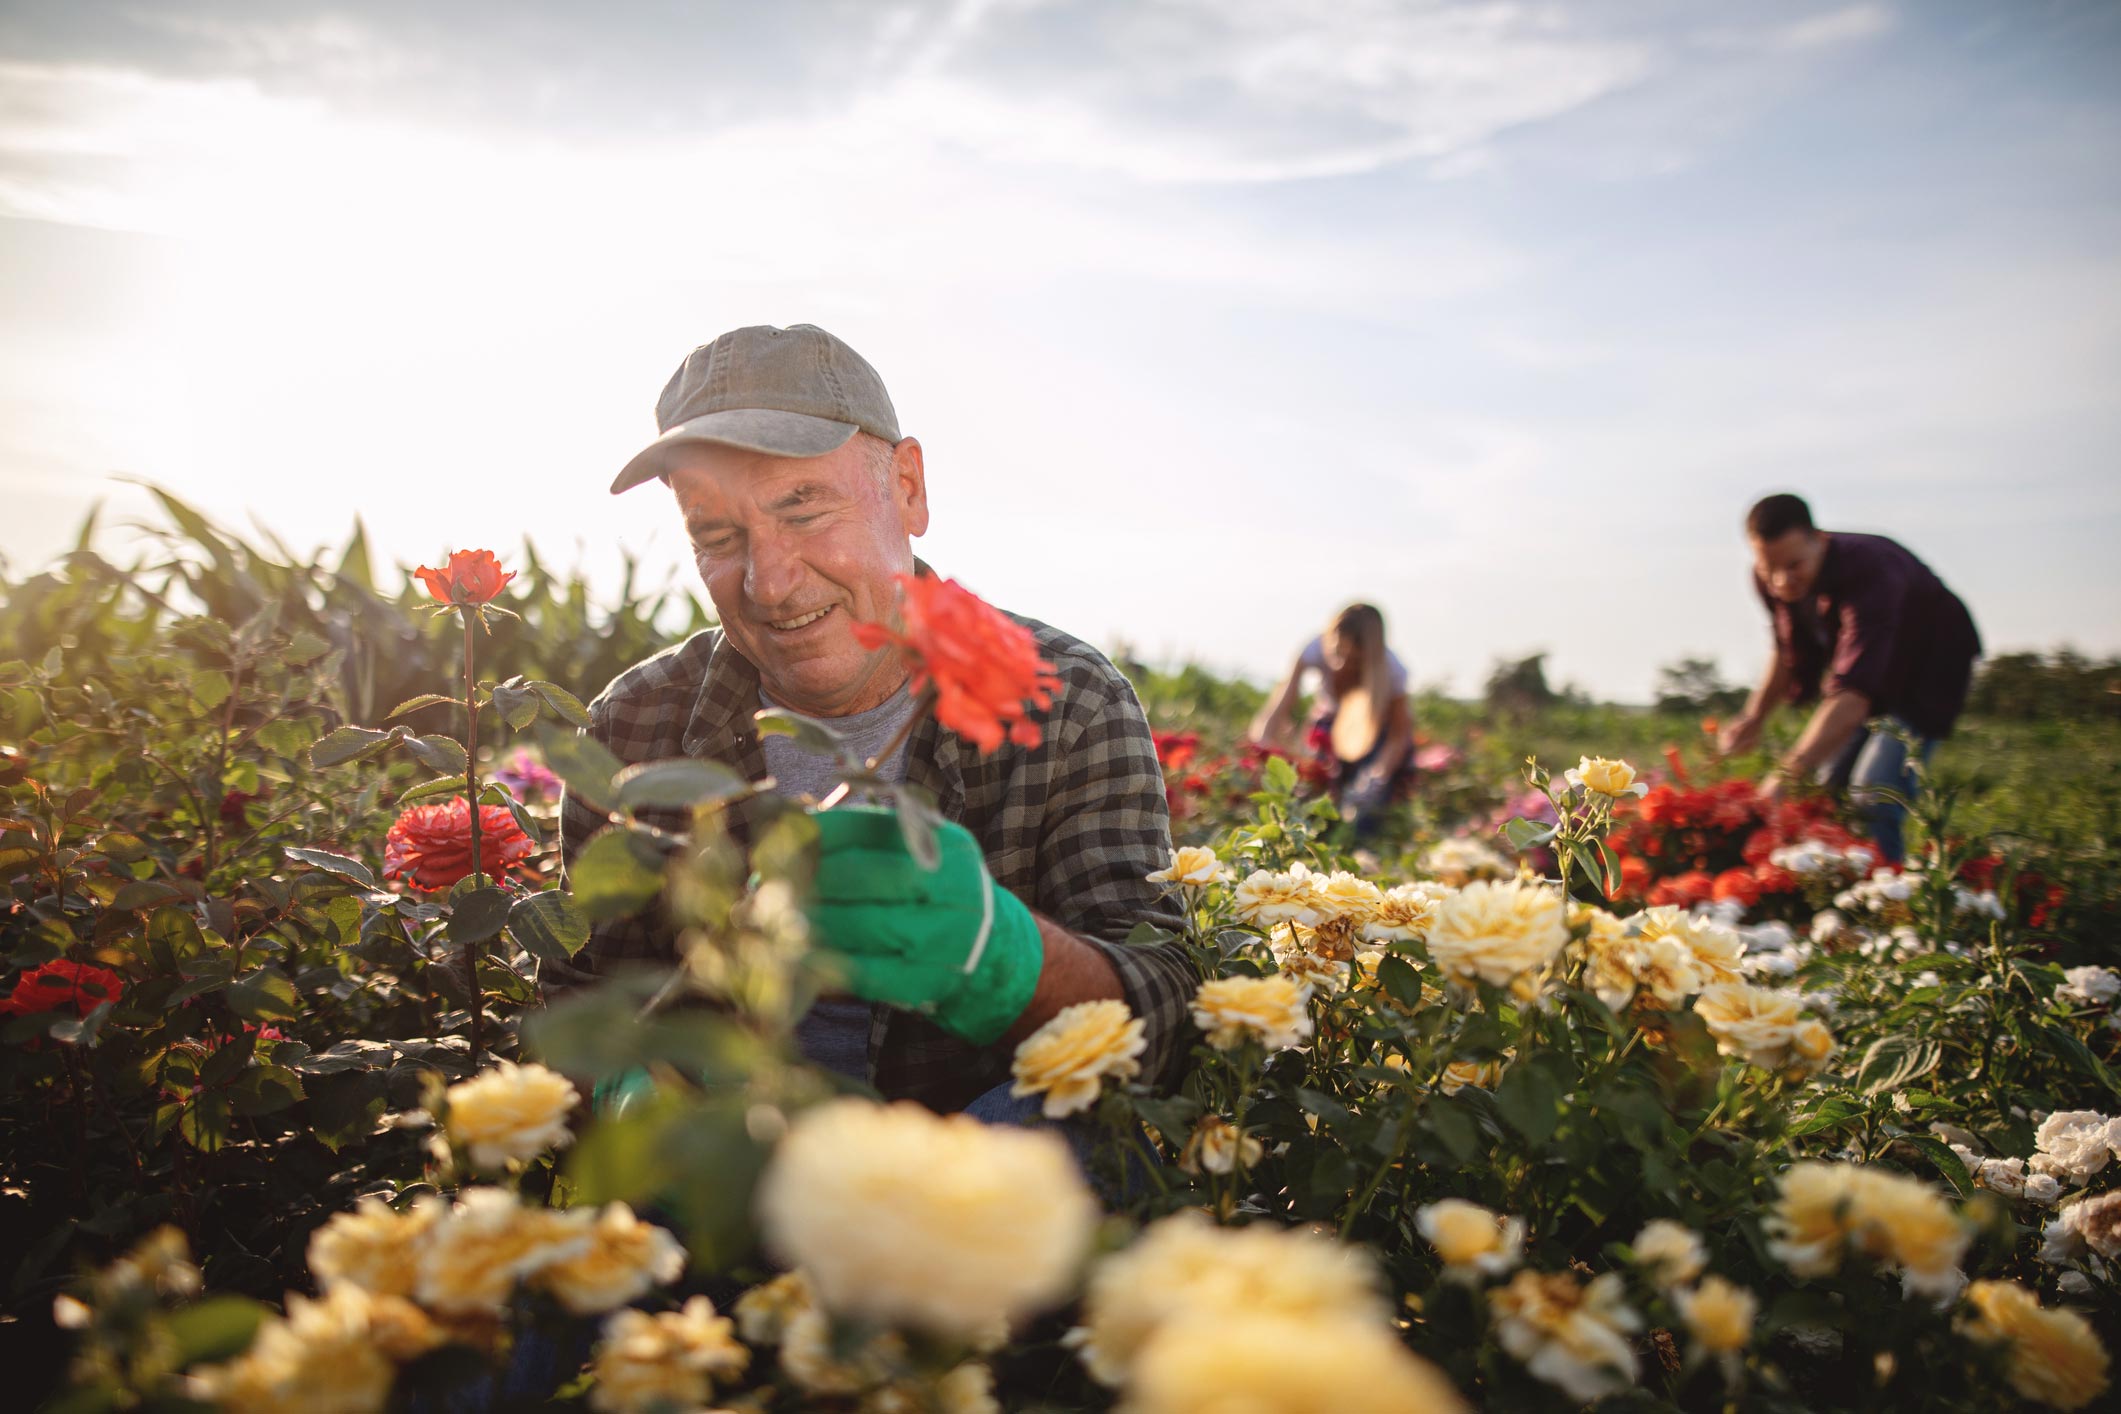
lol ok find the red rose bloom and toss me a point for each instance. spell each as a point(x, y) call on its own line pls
point(1736, 885)
point(60, 985)
point(983, 665)
point(472, 577)
point(429, 846)
point(1176, 749)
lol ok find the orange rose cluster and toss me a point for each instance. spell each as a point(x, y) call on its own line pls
point(983, 665)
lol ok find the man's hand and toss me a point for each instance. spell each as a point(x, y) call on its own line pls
point(1773, 787)
point(1740, 735)
point(949, 942)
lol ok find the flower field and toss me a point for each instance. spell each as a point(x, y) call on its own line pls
point(1599, 1084)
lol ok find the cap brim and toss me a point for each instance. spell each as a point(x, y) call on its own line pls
point(776, 433)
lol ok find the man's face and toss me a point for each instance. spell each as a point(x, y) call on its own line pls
point(795, 552)
point(1789, 564)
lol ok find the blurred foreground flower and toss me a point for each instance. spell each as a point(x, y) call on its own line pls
point(1287, 1362)
point(667, 1360)
point(1471, 1241)
point(1575, 1336)
point(429, 846)
point(2051, 1356)
point(471, 577)
point(1828, 1210)
point(906, 1217)
point(983, 665)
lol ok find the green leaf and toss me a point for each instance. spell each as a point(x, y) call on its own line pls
point(425, 699)
point(343, 1109)
point(1530, 1101)
point(265, 1089)
point(564, 704)
point(215, 1328)
point(617, 873)
point(1524, 834)
point(2078, 1054)
point(438, 753)
point(205, 1121)
point(263, 996)
point(210, 688)
point(1278, 776)
point(428, 790)
point(344, 865)
point(286, 736)
point(518, 706)
point(478, 915)
point(1328, 1109)
point(548, 926)
point(1948, 1163)
point(1892, 1061)
point(145, 893)
point(351, 744)
point(583, 763)
point(676, 784)
point(1400, 981)
point(812, 737)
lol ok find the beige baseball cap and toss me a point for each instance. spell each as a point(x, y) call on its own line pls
point(793, 392)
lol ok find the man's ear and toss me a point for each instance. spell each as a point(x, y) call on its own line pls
point(909, 485)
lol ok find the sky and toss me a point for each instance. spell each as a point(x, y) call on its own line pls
point(1211, 315)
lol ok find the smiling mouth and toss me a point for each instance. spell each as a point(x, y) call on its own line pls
point(799, 621)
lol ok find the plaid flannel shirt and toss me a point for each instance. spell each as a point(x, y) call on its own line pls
point(1071, 827)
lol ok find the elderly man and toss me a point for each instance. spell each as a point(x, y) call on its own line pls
point(782, 452)
point(1865, 628)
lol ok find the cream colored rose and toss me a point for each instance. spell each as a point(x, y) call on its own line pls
point(1461, 861)
point(626, 1257)
point(819, 1365)
point(1184, 1266)
point(1718, 1315)
point(909, 1218)
point(1404, 913)
point(668, 1360)
point(323, 1356)
point(509, 1114)
point(1265, 897)
point(1498, 933)
point(1275, 1011)
point(1471, 1241)
point(1672, 1252)
point(1482, 1075)
point(374, 1247)
point(965, 1389)
point(1191, 865)
point(1755, 1023)
point(1716, 951)
point(1348, 897)
point(2052, 1356)
point(1607, 777)
point(1288, 1362)
point(1826, 1211)
point(1576, 1337)
point(1306, 968)
point(1811, 1044)
point(1069, 1059)
point(1218, 1146)
point(487, 1243)
point(763, 1312)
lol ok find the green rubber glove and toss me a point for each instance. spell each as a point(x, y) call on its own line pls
point(949, 942)
point(615, 1095)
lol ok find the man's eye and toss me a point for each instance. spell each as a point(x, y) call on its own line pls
point(805, 520)
point(713, 544)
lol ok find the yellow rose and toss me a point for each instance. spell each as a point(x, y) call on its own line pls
point(1471, 1240)
point(1716, 951)
point(1576, 1337)
point(1756, 1023)
point(1461, 861)
point(2053, 1358)
point(374, 1247)
point(1274, 1011)
point(820, 1365)
point(1606, 777)
point(1404, 913)
point(322, 1356)
point(510, 1113)
point(625, 1258)
point(966, 1389)
point(910, 1218)
point(764, 1312)
point(1218, 1146)
point(670, 1359)
point(1482, 1075)
point(1718, 1314)
point(1825, 1211)
point(1266, 898)
point(1069, 1058)
point(1191, 865)
point(1288, 1362)
point(1347, 897)
point(1812, 1043)
point(1184, 1266)
point(474, 1257)
point(1498, 933)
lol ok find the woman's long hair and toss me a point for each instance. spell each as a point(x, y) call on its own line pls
point(1364, 627)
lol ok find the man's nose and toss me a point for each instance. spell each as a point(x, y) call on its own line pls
point(772, 575)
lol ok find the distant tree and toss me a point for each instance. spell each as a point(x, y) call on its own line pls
point(1695, 685)
point(1519, 688)
point(2062, 685)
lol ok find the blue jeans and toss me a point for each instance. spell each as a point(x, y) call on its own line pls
point(1877, 759)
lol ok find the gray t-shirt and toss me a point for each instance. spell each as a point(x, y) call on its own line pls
point(835, 1032)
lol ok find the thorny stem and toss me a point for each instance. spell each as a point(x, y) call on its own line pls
point(898, 738)
point(471, 797)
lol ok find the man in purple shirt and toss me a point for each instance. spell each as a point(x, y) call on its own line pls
point(1866, 630)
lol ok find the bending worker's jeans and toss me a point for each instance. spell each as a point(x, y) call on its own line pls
point(1876, 758)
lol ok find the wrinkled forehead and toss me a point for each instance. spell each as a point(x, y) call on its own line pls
point(1789, 548)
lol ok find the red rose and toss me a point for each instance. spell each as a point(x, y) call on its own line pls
point(60, 985)
point(472, 577)
point(1634, 876)
point(983, 665)
point(1176, 749)
point(1736, 885)
point(429, 846)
